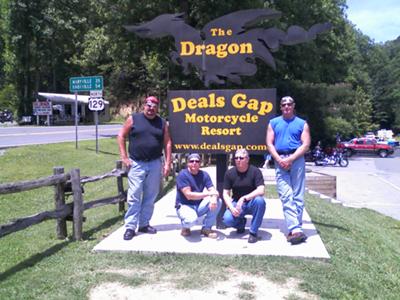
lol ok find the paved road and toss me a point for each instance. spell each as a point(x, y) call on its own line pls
point(369, 182)
point(14, 136)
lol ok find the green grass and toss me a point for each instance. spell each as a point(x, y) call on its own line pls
point(363, 244)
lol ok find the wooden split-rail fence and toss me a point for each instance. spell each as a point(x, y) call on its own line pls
point(64, 184)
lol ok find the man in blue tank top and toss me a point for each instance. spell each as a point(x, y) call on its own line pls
point(148, 134)
point(288, 139)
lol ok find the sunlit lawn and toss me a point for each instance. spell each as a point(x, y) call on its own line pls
point(364, 245)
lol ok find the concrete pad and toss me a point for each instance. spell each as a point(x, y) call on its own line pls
point(168, 239)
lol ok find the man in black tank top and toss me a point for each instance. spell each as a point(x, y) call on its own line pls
point(148, 134)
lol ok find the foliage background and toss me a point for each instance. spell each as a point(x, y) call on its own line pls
point(343, 82)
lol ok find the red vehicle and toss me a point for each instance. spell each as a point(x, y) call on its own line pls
point(365, 145)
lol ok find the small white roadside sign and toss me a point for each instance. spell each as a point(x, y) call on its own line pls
point(96, 104)
point(96, 101)
point(96, 94)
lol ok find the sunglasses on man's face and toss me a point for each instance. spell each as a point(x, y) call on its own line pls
point(151, 105)
point(240, 157)
point(286, 104)
point(193, 161)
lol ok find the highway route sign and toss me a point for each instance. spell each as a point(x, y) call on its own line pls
point(85, 83)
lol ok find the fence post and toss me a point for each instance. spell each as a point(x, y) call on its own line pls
point(120, 185)
point(78, 204)
point(59, 198)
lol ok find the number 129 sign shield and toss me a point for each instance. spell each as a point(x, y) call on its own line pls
point(96, 104)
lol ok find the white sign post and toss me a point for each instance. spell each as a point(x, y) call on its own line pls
point(96, 103)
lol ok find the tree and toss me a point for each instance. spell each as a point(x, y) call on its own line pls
point(338, 126)
point(362, 109)
point(387, 86)
point(46, 42)
point(41, 35)
point(3, 28)
point(8, 97)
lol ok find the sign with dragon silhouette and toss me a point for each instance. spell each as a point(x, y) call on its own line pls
point(220, 121)
point(226, 48)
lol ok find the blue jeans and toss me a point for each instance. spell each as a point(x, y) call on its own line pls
point(188, 214)
point(255, 207)
point(144, 178)
point(290, 185)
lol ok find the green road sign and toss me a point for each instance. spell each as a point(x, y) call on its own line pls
point(88, 83)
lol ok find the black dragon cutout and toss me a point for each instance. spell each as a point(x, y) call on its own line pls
point(226, 48)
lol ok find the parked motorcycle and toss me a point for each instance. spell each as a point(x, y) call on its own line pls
point(336, 158)
point(6, 116)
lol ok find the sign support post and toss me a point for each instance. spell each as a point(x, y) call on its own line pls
point(222, 166)
point(37, 116)
point(76, 120)
point(96, 120)
point(96, 103)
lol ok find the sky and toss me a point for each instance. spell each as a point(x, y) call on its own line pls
point(379, 19)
